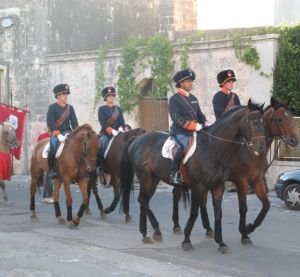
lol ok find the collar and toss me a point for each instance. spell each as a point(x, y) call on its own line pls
point(183, 93)
point(225, 91)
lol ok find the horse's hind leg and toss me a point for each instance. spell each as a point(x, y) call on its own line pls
point(2, 186)
point(155, 225)
point(115, 183)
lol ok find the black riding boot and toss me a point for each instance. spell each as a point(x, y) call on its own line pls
point(175, 176)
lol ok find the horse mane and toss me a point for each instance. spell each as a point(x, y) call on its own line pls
point(278, 103)
point(85, 127)
point(133, 133)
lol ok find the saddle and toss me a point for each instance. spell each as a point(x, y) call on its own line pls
point(46, 150)
point(169, 149)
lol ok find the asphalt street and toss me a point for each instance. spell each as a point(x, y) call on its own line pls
point(111, 247)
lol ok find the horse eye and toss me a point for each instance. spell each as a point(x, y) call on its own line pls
point(279, 119)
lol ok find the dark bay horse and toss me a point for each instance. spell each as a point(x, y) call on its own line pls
point(8, 140)
point(250, 170)
point(77, 159)
point(209, 166)
point(112, 167)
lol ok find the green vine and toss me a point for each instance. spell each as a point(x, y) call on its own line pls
point(127, 87)
point(286, 83)
point(160, 52)
point(100, 75)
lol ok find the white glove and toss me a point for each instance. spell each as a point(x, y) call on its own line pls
point(61, 137)
point(121, 129)
point(198, 127)
point(114, 132)
point(206, 124)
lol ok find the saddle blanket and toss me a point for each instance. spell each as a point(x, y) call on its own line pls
point(170, 143)
point(47, 150)
point(5, 166)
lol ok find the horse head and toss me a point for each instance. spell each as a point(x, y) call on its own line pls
point(252, 128)
point(133, 133)
point(87, 142)
point(8, 136)
point(279, 122)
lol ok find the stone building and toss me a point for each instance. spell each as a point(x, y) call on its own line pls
point(47, 42)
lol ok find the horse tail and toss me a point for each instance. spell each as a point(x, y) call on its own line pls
point(126, 176)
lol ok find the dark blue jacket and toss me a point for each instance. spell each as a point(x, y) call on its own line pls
point(54, 112)
point(184, 115)
point(220, 101)
point(104, 113)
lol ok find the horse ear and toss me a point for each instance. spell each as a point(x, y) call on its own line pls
point(262, 106)
point(287, 102)
point(249, 102)
point(273, 102)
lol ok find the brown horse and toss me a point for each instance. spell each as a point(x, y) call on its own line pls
point(8, 140)
point(249, 170)
point(77, 159)
point(111, 167)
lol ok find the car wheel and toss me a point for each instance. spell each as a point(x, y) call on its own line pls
point(291, 196)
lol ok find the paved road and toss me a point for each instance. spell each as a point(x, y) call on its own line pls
point(111, 247)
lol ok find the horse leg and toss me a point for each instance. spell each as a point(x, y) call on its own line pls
point(115, 183)
point(186, 244)
point(91, 179)
point(217, 195)
point(260, 191)
point(2, 185)
point(57, 185)
point(33, 187)
point(155, 225)
point(175, 217)
point(83, 189)
point(204, 216)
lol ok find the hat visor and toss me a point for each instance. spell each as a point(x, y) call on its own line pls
point(61, 92)
point(226, 80)
point(108, 94)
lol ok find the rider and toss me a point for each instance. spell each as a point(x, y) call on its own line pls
point(61, 120)
point(225, 98)
point(187, 117)
point(112, 122)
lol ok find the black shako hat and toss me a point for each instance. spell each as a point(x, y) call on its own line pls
point(62, 88)
point(183, 75)
point(225, 76)
point(108, 91)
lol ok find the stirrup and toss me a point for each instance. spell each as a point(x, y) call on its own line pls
point(53, 174)
point(176, 179)
point(99, 170)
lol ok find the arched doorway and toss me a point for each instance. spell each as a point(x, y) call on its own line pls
point(153, 113)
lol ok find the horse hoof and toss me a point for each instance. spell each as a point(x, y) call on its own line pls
point(187, 246)
point(107, 210)
point(224, 249)
point(177, 231)
point(147, 240)
point(128, 219)
point(61, 221)
point(157, 237)
point(33, 217)
point(103, 215)
point(88, 211)
point(246, 241)
point(72, 225)
point(210, 234)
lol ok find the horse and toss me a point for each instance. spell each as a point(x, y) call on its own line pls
point(207, 168)
point(111, 167)
point(8, 139)
point(76, 160)
point(250, 170)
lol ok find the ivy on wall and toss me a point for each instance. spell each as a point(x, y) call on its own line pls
point(286, 83)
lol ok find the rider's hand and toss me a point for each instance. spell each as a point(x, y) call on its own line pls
point(55, 133)
point(121, 129)
point(198, 127)
point(61, 137)
point(114, 132)
point(206, 124)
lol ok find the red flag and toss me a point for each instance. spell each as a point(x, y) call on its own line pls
point(5, 112)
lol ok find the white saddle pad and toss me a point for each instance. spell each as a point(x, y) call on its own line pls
point(47, 150)
point(170, 144)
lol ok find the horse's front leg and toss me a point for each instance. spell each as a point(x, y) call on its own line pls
point(83, 189)
point(217, 196)
point(260, 191)
point(175, 217)
point(2, 186)
point(115, 182)
point(57, 185)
